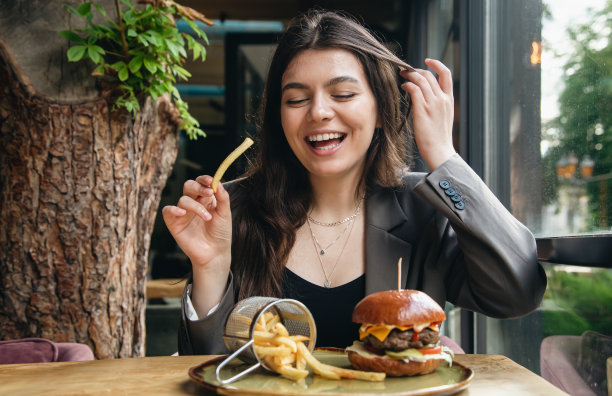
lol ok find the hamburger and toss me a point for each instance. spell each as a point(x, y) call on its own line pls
point(399, 334)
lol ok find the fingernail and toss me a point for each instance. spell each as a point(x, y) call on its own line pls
point(205, 214)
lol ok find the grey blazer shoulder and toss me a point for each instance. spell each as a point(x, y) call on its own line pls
point(457, 242)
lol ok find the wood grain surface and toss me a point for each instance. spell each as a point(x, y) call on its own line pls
point(494, 375)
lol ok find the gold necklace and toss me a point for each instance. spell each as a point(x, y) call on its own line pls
point(327, 282)
point(323, 250)
point(336, 223)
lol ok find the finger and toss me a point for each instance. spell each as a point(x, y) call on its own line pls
point(193, 189)
point(190, 204)
point(431, 80)
point(223, 201)
point(445, 77)
point(205, 180)
point(170, 212)
point(421, 82)
point(416, 95)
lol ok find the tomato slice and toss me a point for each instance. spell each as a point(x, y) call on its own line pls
point(431, 351)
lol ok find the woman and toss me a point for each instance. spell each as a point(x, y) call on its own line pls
point(328, 208)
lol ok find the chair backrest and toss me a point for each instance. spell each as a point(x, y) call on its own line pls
point(446, 341)
point(28, 350)
point(595, 349)
point(40, 350)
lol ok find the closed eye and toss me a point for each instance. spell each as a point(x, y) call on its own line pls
point(295, 101)
point(345, 96)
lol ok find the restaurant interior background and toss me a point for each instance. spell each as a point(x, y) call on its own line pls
point(533, 91)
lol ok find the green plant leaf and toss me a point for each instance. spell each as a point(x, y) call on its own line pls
point(181, 72)
point(98, 49)
point(151, 40)
point(142, 40)
point(71, 36)
point(117, 65)
point(93, 54)
point(193, 27)
point(202, 51)
point(99, 8)
point(128, 3)
point(71, 10)
point(155, 38)
point(135, 64)
point(76, 53)
point(123, 73)
point(151, 64)
point(84, 9)
point(172, 47)
point(99, 69)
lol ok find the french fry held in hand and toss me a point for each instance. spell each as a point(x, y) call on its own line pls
point(288, 356)
point(228, 161)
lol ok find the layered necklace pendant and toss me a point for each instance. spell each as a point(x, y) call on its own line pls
point(322, 250)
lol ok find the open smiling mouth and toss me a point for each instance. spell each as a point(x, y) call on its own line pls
point(326, 141)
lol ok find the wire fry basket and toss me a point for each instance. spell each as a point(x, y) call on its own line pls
point(238, 334)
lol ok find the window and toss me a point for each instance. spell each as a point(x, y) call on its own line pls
point(542, 142)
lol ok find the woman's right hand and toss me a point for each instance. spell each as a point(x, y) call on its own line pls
point(201, 224)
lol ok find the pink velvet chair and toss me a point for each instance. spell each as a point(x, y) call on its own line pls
point(40, 350)
point(446, 341)
point(576, 364)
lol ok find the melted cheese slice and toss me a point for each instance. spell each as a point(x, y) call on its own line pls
point(382, 331)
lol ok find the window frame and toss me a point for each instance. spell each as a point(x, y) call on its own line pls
point(485, 133)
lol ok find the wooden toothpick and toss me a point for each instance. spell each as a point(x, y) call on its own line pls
point(399, 274)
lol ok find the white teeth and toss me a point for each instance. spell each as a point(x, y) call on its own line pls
point(328, 147)
point(324, 136)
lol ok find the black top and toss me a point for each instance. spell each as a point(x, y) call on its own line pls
point(331, 308)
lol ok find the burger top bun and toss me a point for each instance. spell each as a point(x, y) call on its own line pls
point(398, 307)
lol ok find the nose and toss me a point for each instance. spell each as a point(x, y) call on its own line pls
point(321, 109)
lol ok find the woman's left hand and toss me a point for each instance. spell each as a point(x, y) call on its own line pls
point(432, 109)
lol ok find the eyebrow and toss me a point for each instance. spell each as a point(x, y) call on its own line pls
point(333, 81)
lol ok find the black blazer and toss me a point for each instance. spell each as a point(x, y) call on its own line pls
point(458, 243)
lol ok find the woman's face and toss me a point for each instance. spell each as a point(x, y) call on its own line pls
point(328, 112)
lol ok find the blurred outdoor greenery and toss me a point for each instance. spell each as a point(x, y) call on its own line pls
point(584, 125)
point(578, 301)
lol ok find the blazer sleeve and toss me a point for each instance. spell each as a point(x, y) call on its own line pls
point(495, 269)
point(205, 336)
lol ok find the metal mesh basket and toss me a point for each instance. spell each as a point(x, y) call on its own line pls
point(238, 334)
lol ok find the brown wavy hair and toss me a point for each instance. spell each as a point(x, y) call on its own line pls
point(273, 200)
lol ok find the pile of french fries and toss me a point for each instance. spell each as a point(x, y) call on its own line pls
point(287, 355)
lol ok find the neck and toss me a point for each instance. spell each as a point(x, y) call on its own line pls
point(335, 198)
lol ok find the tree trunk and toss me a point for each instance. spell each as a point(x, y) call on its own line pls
point(79, 188)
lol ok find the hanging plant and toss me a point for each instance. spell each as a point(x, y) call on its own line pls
point(143, 50)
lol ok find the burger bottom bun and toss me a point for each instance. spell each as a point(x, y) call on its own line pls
point(396, 368)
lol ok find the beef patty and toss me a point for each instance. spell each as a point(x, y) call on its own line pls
point(399, 340)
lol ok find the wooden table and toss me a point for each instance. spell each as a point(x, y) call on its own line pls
point(168, 375)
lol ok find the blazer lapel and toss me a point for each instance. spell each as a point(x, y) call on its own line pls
point(383, 249)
